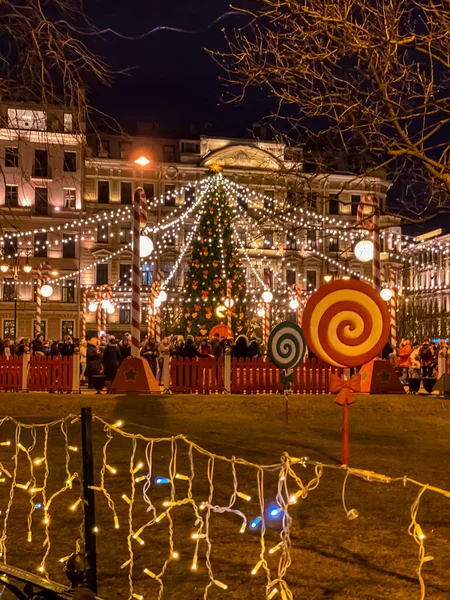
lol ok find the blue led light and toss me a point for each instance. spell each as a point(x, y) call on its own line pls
point(162, 480)
point(274, 511)
point(38, 505)
point(254, 524)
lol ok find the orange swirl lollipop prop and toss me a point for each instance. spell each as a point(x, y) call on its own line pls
point(346, 323)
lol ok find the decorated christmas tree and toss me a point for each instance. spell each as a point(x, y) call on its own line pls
point(214, 264)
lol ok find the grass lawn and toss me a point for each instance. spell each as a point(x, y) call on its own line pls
point(371, 557)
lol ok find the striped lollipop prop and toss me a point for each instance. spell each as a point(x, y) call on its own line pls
point(286, 346)
point(346, 323)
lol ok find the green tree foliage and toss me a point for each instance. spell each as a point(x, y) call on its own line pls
point(214, 262)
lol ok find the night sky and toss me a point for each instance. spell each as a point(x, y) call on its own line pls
point(173, 81)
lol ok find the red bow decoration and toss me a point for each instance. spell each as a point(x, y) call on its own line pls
point(344, 388)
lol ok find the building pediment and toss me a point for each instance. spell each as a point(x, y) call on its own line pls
point(242, 157)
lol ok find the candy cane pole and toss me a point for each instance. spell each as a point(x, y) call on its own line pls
point(136, 276)
point(150, 314)
point(83, 316)
point(39, 301)
point(300, 308)
point(158, 309)
point(229, 305)
point(266, 321)
point(99, 318)
point(393, 309)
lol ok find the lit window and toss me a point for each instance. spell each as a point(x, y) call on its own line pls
point(70, 198)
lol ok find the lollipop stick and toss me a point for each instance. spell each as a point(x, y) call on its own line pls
point(286, 397)
point(345, 445)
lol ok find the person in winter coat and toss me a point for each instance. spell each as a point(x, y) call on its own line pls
point(205, 347)
point(254, 348)
point(386, 351)
point(38, 343)
point(54, 348)
point(67, 347)
point(189, 349)
point(111, 360)
point(240, 348)
point(427, 358)
point(150, 352)
point(404, 361)
point(125, 348)
point(93, 361)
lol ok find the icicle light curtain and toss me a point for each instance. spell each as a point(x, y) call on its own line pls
point(174, 516)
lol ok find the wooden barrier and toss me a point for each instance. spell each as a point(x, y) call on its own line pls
point(248, 376)
point(197, 375)
point(51, 374)
point(11, 373)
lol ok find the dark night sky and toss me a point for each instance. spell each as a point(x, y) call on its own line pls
point(173, 80)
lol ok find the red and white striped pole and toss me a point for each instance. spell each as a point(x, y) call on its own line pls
point(266, 318)
point(158, 311)
point(150, 314)
point(136, 276)
point(229, 306)
point(99, 319)
point(38, 326)
point(393, 309)
point(83, 316)
point(155, 294)
point(300, 307)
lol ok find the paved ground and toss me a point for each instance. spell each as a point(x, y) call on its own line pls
point(369, 558)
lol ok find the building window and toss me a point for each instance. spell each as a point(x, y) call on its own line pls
point(169, 194)
point(242, 201)
point(66, 329)
point(167, 269)
point(125, 233)
point(268, 199)
point(243, 238)
point(290, 277)
point(124, 149)
point(41, 201)
point(311, 280)
point(40, 245)
point(103, 192)
point(68, 291)
point(125, 192)
point(70, 162)
point(333, 204)
point(103, 148)
point(268, 241)
point(291, 241)
point(333, 245)
point(355, 202)
point(311, 200)
point(168, 153)
point(70, 198)
point(147, 275)
point(189, 195)
point(125, 314)
point(102, 234)
point(41, 168)
point(8, 290)
point(12, 196)
point(8, 329)
point(149, 190)
point(169, 238)
point(11, 157)
point(125, 274)
point(311, 239)
point(68, 246)
point(190, 147)
point(102, 274)
point(268, 278)
point(68, 122)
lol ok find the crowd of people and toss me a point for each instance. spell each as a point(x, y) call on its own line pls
point(414, 360)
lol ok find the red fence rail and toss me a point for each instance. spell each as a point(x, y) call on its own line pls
point(202, 375)
point(11, 373)
point(51, 373)
point(248, 376)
